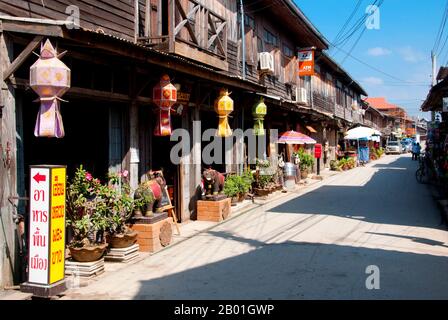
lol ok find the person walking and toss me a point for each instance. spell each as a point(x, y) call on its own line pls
point(418, 149)
point(414, 150)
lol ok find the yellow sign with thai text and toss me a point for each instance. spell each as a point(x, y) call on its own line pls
point(57, 227)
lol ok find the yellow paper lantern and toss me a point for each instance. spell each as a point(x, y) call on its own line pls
point(223, 107)
point(259, 111)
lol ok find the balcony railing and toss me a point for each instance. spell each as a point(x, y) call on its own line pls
point(190, 29)
point(323, 103)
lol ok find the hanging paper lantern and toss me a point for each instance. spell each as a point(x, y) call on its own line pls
point(50, 79)
point(259, 110)
point(223, 107)
point(164, 96)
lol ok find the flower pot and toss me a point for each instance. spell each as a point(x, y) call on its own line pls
point(261, 192)
point(304, 174)
point(234, 201)
point(241, 197)
point(123, 240)
point(138, 213)
point(89, 253)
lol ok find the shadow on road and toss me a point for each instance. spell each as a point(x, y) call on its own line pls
point(299, 270)
point(302, 270)
point(391, 196)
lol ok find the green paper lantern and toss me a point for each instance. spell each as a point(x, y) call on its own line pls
point(259, 110)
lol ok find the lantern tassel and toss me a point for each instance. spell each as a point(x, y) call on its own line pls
point(49, 120)
point(258, 126)
point(163, 125)
point(224, 129)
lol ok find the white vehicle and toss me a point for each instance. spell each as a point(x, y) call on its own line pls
point(393, 147)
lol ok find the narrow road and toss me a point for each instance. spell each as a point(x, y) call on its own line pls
point(314, 246)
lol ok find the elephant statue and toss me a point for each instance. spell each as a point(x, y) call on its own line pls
point(213, 182)
point(150, 193)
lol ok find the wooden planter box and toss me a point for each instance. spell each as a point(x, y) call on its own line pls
point(214, 210)
point(153, 236)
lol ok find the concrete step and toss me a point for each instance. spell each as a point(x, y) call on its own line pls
point(14, 295)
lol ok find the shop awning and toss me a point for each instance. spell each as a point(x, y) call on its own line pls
point(311, 129)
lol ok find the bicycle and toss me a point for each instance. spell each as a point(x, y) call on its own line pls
point(422, 174)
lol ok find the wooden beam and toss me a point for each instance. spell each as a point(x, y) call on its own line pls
point(32, 28)
point(167, 62)
point(92, 94)
point(147, 18)
point(22, 57)
point(186, 21)
point(136, 21)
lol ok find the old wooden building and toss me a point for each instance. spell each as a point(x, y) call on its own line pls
point(118, 50)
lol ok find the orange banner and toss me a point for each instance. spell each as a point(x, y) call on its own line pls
point(306, 63)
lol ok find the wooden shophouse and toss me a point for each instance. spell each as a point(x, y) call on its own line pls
point(117, 51)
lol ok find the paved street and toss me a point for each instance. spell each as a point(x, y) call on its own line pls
point(313, 246)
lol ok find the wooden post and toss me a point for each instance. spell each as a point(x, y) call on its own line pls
point(8, 174)
point(133, 153)
point(136, 20)
point(171, 24)
point(148, 18)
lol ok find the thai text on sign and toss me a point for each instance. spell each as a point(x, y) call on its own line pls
point(47, 224)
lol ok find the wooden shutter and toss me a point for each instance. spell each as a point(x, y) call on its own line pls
point(249, 40)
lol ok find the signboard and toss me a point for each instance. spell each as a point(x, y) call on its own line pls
point(182, 102)
point(306, 63)
point(317, 150)
point(47, 224)
point(445, 104)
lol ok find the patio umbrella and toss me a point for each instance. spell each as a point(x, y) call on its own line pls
point(294, 137)
point(361, 133)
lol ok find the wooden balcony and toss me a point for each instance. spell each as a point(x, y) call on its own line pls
point(189, 29)
point(323, 103)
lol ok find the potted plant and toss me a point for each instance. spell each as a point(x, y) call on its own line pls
point(120, 208)
point(262, 184)
point(306, 162)
point(143, 200)
point(334, 165)
point(231, 188)
point(245, 185)
point(85, 217)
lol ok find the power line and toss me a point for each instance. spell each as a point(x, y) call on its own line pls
point(370, 66)
point(441, 29)
point(354, 45)
point(347, 21)
point(360, 22)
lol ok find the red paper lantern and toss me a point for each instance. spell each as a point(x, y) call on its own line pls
point(164, 96)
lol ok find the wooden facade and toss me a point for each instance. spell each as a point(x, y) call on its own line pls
point(118, 53)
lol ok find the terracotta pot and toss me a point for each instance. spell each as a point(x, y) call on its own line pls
point(241, 197)
point(88, 254)
point(304, 174)
point(261, 192)
point(122, 240)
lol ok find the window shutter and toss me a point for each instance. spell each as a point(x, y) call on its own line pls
point(249, 41)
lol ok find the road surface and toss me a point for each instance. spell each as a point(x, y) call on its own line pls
point(314, 246)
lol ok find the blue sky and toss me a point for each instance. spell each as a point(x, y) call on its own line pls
point(401, 47)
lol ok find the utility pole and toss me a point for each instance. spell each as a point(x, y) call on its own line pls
point(434, 80)
point(243, 40)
